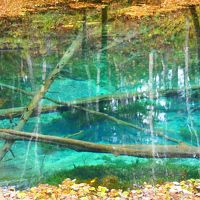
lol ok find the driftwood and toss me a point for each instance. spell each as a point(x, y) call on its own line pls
point(39, 95)
point(6, 113)
point(131, 150)
point(33, 105)
point(16, 112)
point(75, 134)
point(138, 150)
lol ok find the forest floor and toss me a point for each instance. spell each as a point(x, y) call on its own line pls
point(71, 190)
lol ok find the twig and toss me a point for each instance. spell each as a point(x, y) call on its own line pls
point(74, 134)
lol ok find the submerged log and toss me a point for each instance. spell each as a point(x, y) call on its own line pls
point(134, 95)
point(41, 92)
point(12, 112)
point(120, 96)
point(75, 104)
point(17, 112)
point(2, 85)
point(63, 106)
point(138, 150)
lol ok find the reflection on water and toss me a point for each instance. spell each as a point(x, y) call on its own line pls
point(144, 73)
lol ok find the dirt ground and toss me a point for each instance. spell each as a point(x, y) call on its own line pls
point(18, 7)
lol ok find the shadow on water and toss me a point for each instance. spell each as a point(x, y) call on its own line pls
point(147, 72)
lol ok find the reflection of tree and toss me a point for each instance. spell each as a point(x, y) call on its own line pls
point(197, 29)
point(164, 71)
point(187, 85)
point(84, 41)
point(102, 67)
point(104, 29)
point(102, 71)
point(30, 70)
point(85, 44)
point(104, 43)
point(151, 125)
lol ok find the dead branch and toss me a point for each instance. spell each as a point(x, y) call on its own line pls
point(2, 85)
point(120, 96)
point(104, 115)
point(17, 112)
point(138, 150)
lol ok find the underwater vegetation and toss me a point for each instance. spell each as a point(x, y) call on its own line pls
point(120, 175)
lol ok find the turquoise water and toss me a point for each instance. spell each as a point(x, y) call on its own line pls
point(141, 69)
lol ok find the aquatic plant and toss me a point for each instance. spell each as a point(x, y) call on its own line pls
point(127, 175)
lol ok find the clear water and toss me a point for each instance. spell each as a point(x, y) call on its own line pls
point(118, 57)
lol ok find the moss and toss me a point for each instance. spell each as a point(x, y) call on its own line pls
point(122, 175)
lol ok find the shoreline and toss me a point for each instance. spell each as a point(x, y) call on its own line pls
point(69, 189)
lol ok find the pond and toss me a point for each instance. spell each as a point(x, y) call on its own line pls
point(130, 82)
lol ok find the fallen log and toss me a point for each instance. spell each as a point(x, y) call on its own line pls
point(41, 92)
point(2, 85)
point(17, 112)
point(133, 95)
point(110, 97)
point(104, 115)
point(138, 150)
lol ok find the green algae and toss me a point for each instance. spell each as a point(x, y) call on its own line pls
point(119, 175)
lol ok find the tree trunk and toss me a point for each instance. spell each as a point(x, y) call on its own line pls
point(196, 23)
point(138, 150)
